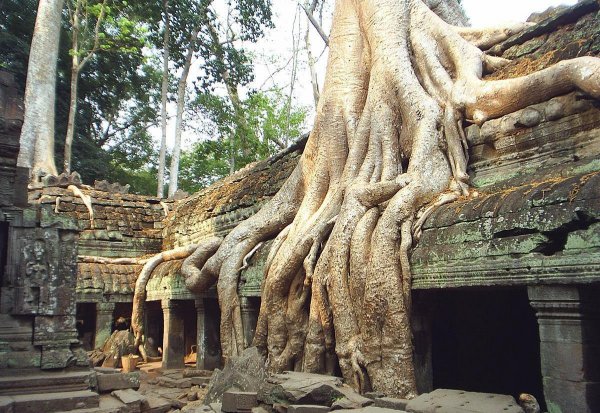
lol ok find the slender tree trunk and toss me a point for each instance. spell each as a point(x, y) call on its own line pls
point(181, 85)
point(37, 136)
point(242, 125)
point(78, 63)
point(309, 8)
point(71, 119)
point(163, 110)
point(311, 66)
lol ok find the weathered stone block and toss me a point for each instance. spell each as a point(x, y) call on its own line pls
point(55, 357)
point(6, 404)
point(246, 372)
point(118, 381)
point(355, 401)
point(570, 361)
point(307, 408)
point(184, 383)
point(391, 403)
point(217, 407)
point(307, 388)
point(196, 373)
point(155, 405)
point(564, 396)
point(55, 402)
point(239, 401)
point(131, 398)
point(200, 381)
point(457, 401)
point(167, 382)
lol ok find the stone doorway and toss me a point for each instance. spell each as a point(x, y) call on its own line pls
point(154, 324)
point(486, 340)
point(86, 324)
point(122, 315)
point(190, 330)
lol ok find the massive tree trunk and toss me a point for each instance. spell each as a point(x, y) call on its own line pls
point(387, 146)
point(37, 136)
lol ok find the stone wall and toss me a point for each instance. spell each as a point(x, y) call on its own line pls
point(122, 225)
point(38, 252)
point(11, 120)
point(220, 207)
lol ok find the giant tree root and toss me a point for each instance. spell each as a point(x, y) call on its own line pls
point(139, 296)
point(388, 146)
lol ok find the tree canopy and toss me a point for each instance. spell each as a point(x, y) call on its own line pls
point(117, 101)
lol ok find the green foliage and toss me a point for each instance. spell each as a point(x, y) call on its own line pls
point(270, 125)
point(17, 19)
point(247, 21)
point(119, 87)
point(117, 95)
point(105, 25)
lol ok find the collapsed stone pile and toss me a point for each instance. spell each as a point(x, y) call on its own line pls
point(244, 387)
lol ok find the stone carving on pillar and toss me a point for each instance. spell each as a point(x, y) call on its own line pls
point(40, 282)
point(249, 320)
point(32, 290)
point(201, 334)
point(569, 323)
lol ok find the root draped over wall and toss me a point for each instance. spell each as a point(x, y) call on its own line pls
point(404, 78)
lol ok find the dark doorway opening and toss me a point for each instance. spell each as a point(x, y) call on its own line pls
point(154, 326)
point(486, 340)
point(86, 324)
point(190, 327)
point(122, 316)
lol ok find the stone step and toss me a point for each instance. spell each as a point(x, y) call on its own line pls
point(45, 382)
point(107, 404)
point(54, 402)
point(110, 404)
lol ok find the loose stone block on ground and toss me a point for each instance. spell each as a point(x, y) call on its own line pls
point(457, 401)
point(118, 381)
point(239, 401)
point(307, 408)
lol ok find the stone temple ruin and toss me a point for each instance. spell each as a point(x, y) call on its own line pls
point(505, 288)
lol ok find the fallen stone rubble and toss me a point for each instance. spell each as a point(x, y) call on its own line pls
point(294, 392)
point(242, 387)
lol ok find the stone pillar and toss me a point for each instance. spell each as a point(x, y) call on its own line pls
point(104, 321)
point(249, 320)
point(201, 334)
point(569, 323)
point(173, 338)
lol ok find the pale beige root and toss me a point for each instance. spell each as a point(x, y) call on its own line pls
point(165, 207)
point(87, 201)
point(224, 265)
point(387, 148)
point(246, 260)
point(104, 260)
point(195, 280)
point(488, 37)
point(139, 295)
